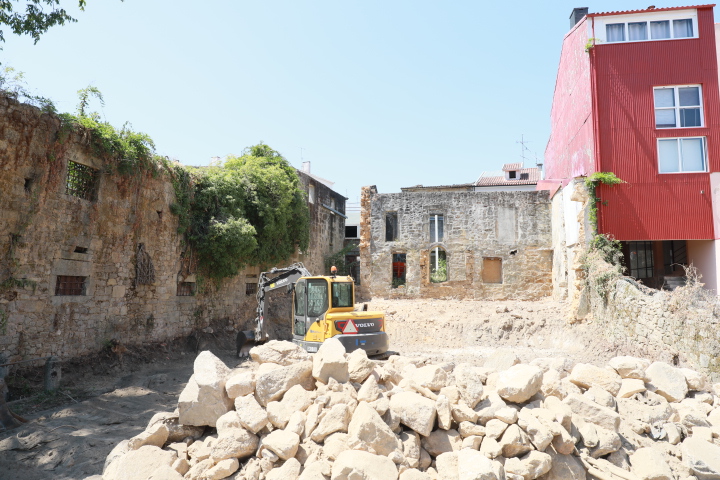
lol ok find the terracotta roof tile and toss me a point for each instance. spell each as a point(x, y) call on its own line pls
point(528, 176)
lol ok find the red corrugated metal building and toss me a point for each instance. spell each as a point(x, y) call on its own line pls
point(637, 95)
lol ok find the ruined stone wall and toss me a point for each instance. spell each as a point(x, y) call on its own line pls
point(514, 227)
point(46, 233)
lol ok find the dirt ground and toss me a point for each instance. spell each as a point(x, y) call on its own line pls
point(104, 399)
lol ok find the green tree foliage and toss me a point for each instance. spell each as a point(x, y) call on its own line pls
point(248, 211)
point(38, 17)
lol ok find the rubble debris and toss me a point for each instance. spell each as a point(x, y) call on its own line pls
point(341, 416)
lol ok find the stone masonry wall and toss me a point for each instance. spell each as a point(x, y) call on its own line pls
point(512, 226)
point(46, 233)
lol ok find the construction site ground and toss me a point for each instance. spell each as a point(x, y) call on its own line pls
point(106, 398)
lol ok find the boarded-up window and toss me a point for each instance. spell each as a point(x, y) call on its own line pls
point(492, 270)
point(81, 181)
point(70, 285)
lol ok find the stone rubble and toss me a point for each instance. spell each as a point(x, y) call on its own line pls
point(338, 416)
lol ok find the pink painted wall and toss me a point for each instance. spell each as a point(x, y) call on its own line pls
point(570, 150)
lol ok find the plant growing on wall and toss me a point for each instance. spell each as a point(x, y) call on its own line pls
point(591, 183)
point(337, 259)
point(602, 264)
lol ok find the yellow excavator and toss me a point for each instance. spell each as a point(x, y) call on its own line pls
point(322, 307)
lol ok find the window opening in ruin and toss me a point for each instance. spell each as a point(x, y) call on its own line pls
point(436, 228)
point(70, 285)
point(311, 194)
point(159, 214)
point(351, 231)
point(250, 288)
point(674, 256)
point(641, 259)
point(398, 270)
point(81, 181)
point(513, 252)
point(80, 250)
point(391, 226)
point(438, 265)
point(492, 270)
point(185, 289)
point(144, 268)
point(28, 185)
point(317, 297)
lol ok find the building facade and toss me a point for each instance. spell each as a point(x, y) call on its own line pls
point(637, 95)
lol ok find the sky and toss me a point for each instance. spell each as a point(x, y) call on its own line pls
point(391, 93)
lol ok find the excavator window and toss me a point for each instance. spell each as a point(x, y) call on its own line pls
point(342, 295)
point(317, 297)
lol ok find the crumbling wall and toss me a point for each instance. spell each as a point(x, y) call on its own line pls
point(47, 234)
point(514, 227)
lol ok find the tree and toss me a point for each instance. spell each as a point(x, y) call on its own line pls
point(35, 20)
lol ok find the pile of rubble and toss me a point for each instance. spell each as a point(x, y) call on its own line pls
point(343, 416)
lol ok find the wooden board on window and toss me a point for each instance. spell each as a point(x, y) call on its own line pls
point(492, 270)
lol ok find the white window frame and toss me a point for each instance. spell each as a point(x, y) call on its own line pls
point(599, 25)
point(677, 107)
point(680, 159)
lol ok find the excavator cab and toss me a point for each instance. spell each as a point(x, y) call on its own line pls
point(323, 307)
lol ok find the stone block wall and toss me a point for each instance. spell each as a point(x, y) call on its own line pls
point(514, 227)
point(46, 233)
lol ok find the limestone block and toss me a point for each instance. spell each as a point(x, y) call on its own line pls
point(540, 436)
point(140, 463)
point(631, 386)
point(272, 385)
point(495, 428)
point(585, 375)
point(363, 465)
point(469, 383)
point(359, 365)
point(314, 471)
point(296, 423)
point(201, 405)
point(447, 466)
point(368, 429)
point(240, 384)
point(250, 414)
point(441, 441)
point(281, 352)
point(463, 413)
point(565, 467)
point(369, 391)
point(666, 380)
point(444, 412)
point(473, 442)
point(608, 441)
point(290, 470)
point(467, 429)
point(601, 396)
point(334, 444)
point(592, 412)
point(414, 410)
point(155, 435)
point(519, 383)
point(165, 473)
point(630, 367)
point(234, 443)
point(297, 399)
point(223, 469)
point(283, 443)
point(487, 408)
point(430, 376)
point(491, 448)
point(508, 415)
point(330, 362)
point(514, 442)
point(336, 419)
point(530, 466)
point(414, 474)
point(702, 458)
point(695, 381)
point(561, 411)
point(473, 465)
point(501, 359)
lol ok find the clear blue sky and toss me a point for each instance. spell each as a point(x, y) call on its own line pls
point(388, 93)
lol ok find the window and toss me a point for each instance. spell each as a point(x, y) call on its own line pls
point(250, 288)
point(311, 194)
point(398, 269)
point(678, 155)
point(436, 228)
point(438, 265)
point(637, 31)
point(342, 295)
point(492, 270)
point(80, 250)
point(70, 285)
point(185, 289)
point(678, 106)
point(512, 174)
point(391, 226)
point(81, 181)
point(317, 297)
point(641, 259)
point(351, 231)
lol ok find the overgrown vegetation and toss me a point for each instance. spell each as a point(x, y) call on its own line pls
point(602, 264)
point(439, 274)
point(338, 259)
point(591, 183)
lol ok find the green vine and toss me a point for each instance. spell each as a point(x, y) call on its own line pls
point(3, 322)
point(591, 183)
point(602, 264)
point(590, 44)
point(337, 259)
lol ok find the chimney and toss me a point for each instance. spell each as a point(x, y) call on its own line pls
point(306, 167)
point(577, 14)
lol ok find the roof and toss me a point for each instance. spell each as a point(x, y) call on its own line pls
point(512, 166)
point(528, 176)
point(646, 10)
point(434, 187)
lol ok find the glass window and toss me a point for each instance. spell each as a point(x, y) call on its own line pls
point(300, 299)
point(398, 269)
point(438, 265)
point(660, 30)
point(676, 155)
point(342, 295)
point(436, 228)
point(391, 227)
point(678, 107)
point(615, 32)
point(641, 259)
point(637, 31)
point(682, 28)
point(317, 297)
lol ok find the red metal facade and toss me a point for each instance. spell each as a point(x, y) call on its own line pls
point(653, 206)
